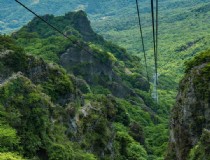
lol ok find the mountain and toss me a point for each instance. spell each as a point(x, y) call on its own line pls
point(80, 99)
point(183, 25)
point(190, 135)
point(87, 98)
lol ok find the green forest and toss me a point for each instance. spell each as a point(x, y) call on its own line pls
point(86, 97)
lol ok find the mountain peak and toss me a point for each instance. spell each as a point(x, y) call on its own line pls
point(81, 23)
point(71, 22)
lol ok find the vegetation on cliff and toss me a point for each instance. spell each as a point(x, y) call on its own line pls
point(52, 105)
point(190, 118)
point(58, 101)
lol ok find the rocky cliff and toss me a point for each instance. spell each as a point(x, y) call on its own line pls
point(190, 119)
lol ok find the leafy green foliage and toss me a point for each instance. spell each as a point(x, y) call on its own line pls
point(17, 55)
point(33, 110)
point(58, 84)
point(47, 48)
point(201, 150)
point(157, 139)
point(8, 138)
point(29, 114)
point(128, 148)
point(202, 58)
point(10, 156)
point(52, 78)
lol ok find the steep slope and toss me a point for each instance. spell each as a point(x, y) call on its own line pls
point(26, 109)
point(190, 117)
point(104, 62)
point(48, 119)
point(106, 114)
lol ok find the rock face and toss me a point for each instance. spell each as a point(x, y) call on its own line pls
point(191, 114)
point(82, 63)
point(82, 24)
point(93, 71)
point(39, 72)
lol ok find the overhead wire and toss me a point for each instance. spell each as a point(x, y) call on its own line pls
point(142, 39)
point(156, 64)
point(153, 30)
point(155, 45)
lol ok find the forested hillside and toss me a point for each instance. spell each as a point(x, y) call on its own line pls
point(183, 29)
point(59, 101)
point(87, 96)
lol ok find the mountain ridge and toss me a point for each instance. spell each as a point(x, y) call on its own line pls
point(98, 103)
point(98, 121)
